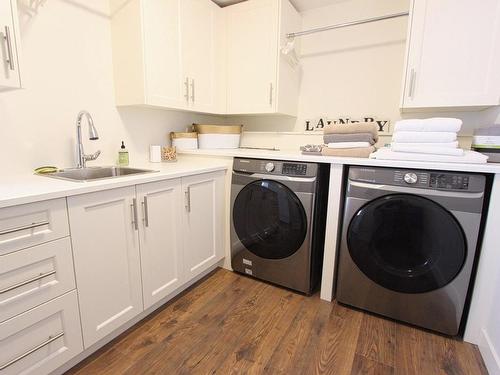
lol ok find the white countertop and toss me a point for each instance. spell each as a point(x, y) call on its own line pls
point(27, 188)
point(293, 155)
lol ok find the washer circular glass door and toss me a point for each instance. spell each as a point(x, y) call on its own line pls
point(407, 243)
point(269, 219)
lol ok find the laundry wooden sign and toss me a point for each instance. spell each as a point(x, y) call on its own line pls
point(318, 124)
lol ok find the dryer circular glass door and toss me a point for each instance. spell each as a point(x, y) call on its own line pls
point(269, 219)
point(407, 243)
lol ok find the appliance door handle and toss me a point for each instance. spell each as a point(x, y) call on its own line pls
point(10, 55)
point(24, 227)
point(145, 211)
point(32, 350)
point(411, 190)
point(276, 177)
point(26, 282)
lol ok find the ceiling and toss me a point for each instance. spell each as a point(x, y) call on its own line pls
point(301, 5)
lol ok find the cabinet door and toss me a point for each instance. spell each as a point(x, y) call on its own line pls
point(161, 239)
point(453, 54)
point(10, 77)
point(203, 221)
point(252, 50)
point(166, 83)
point(198, 19)
point(107, 260)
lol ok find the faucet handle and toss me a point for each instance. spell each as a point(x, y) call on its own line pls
point(93, 156)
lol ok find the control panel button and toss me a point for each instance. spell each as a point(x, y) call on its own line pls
point(411, 178)
point(269, 167)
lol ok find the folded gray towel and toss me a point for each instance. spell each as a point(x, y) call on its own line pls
point(353, 137)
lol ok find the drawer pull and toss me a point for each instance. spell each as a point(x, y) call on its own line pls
point(23, 283)
point(24, 227)
point(40, 346)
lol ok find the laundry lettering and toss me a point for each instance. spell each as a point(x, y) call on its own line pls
point(319, 123)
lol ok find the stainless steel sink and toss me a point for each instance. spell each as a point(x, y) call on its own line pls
point(96, 173)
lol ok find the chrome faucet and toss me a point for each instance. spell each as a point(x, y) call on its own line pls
point(81, 158)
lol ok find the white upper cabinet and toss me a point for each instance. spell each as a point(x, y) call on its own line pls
point(202, 52)
point(10, 74)
point(259, 80)
point(193, 55)
point(453, 54)
point(165, 54)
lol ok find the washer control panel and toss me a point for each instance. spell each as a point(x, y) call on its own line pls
point(275, 167)
point(294, 169)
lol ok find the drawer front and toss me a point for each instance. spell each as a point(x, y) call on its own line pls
point(32, 224)
point(35, 275)
point(42, 339)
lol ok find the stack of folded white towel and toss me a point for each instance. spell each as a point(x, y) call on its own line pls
point(433, 139)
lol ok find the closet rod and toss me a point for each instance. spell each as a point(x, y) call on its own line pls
point(340, 25)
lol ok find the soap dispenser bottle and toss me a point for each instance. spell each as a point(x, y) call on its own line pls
point(123, 158)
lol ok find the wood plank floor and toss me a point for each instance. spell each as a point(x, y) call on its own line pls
point(231, 324)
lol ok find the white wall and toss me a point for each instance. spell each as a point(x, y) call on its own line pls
point(353, 71)
point(68, 67)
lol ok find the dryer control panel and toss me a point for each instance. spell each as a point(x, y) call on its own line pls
point(438, 180)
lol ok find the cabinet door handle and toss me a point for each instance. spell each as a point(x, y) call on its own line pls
point(26, 282)
point(10, 55)
point(24, 227)
point(186, 87)
point(145, 211)
point(133, 206)
point(270, 94)
point(187, 196)
point(38, 347)
point(411, 89)
point(192, 90)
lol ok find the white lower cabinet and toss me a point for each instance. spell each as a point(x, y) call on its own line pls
point(161, 239)
point(35, 275)
point(32, 224)
point(107, 260)
point(134, 246)
point(203, 222)
point(41, 339)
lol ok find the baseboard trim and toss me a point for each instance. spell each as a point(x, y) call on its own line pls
point(98, 345)
point(489, 353)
